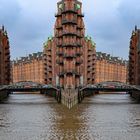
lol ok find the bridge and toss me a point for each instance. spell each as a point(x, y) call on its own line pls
point(31, 87)
point(109, 86)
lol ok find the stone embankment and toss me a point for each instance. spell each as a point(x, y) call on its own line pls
point(3, 93)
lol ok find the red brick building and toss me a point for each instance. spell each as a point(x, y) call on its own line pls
point(109, 68)
point(37, 67)
point(134, 58)
point(69, 49)
point(49, 62)
point(4, 57)
point(28, 68)
point(69, 56)
point(89, 56)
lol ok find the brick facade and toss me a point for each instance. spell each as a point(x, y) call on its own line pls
point(104, 68)
point(28, 68)
point(4, 57)
point(49, 61)
point(134, 58)
point(109, 68)
point(69, 52)
point(69, 41)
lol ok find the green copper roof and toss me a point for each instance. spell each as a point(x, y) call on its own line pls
point(5, 33)
point(45, 44)
point(88, 38)
point(78, 6)
point(50, 38)
point(133, 33)
point(60, 6)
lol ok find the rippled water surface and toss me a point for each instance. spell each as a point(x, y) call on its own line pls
point(100, 117)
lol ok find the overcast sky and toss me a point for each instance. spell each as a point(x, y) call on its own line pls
point(109, 22)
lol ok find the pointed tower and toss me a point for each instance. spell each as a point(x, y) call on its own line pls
point(69, 34)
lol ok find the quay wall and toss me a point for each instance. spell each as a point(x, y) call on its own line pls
point(3, 94)
point(136, 95)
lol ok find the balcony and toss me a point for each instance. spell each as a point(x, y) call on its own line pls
point(60, 62)
point(58, 14)
point(131, 53)
point(132, 74)
point(131, 66)
point(67, 21)
point(69, 33)
point(69, 45)
point(80, 27)
point(89, 54)
point(89, 70)
point(94, 58)
point(49, 59)
point(59, 53)
point(50, 66)
point(7, 67)
point(131, 48)
point(49, 62)
point(48, 49)
point(79, 44)
point(58, 35)
point(62, 73)
point(7, 61)
point(69, 10)
point(7, 53)
point(81, 15)
point(59, 44)
point(49, 69)
point(45, 59)
point(79, 53)
point(80, 35)
point(49, 76)
point(49, 53)
point(58, 27)
point(131, 58)
point(69, 71)
point(69, 55)
point(78, 62)
point(77, 73)
point(7, 48)
point(93, 73)
point(45, 63)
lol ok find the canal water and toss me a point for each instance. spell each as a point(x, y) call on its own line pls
point(100, 117)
